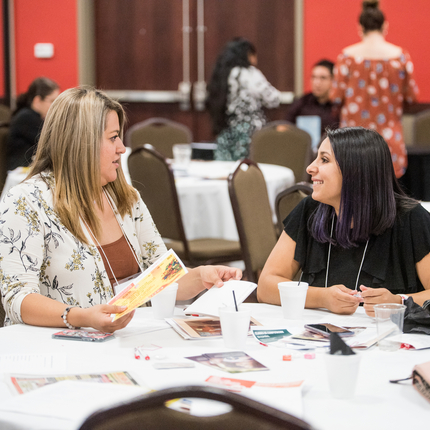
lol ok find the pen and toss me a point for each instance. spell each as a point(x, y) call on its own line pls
point(136, 353)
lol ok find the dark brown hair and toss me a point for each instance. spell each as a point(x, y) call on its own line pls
point(371, 18)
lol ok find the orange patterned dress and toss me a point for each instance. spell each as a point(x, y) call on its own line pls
point(372, 93)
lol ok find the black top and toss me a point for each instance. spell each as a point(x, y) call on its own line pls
point(24, 134)
point(309, 105)
point(389, 261)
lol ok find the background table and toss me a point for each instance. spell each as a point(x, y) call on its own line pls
point(376, 405)
point(203, 194)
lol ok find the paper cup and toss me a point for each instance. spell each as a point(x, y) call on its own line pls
point(293, 298)
point(342, 372)
point(163, 304)
point(234, 326)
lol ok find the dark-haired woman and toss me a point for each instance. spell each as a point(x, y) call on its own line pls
point(27, 121)
point(357, 232)
point(373, 80)
point(237, 93)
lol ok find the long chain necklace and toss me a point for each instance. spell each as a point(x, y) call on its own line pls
point(328, 258)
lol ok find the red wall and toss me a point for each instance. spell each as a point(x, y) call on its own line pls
point(46, 21)
point(331, 25)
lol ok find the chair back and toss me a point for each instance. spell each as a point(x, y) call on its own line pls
point(253, 215)
point(152, 176)
point(161, 133)
point(4, 132)
point(421, 129)
point(282, 143)
point(288, 199)
point(150, 412)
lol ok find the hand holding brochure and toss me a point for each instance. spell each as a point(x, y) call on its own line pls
point(166, 270)
point(215, 298)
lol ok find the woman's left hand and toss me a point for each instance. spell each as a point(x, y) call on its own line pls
point(217, 275)
point(374, 296)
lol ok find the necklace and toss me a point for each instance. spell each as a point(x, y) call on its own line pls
point(329, 253)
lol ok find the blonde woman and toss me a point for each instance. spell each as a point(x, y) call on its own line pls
point(74, 227)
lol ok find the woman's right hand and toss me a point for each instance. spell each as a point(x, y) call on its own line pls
point(99, 317)
point(340, 300)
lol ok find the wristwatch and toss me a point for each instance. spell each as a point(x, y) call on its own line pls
point(404, 298)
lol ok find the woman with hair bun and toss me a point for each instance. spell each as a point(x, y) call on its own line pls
point(27, 120)
point(373, 80)
point(358, 237)
point(237, 93)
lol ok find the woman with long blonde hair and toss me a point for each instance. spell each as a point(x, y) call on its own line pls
point(74, 228)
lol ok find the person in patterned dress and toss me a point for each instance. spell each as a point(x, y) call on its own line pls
point(75, 226)
point(237, 93)
point(373, 80)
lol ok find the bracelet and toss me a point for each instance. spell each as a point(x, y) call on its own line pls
point(64, 316)
point(404, 298)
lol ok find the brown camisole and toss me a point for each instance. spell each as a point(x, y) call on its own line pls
point(121, 259)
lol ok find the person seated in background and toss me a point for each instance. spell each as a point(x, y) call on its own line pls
point(74, 227)
point(27, 120)
point(317, 102)
point(237, 93)
point(357, 231)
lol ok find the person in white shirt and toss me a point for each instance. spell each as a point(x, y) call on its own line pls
point(75, 224)
point(237, 93)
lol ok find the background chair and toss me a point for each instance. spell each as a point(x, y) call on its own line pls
point(253, 215)
point(282, 143)
point(152, 176)
point(421, 129)
point(150, 412)
point(288, 199)
point(5, 114)
point(161, 133)
point(4, 132)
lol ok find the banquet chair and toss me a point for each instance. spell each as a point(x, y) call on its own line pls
point(282, 143)
point(150, 412)
point(421, 129)
point(4, 132)
point(152, 175)
point(253, 215)
point(161, 133)
point(288, 199)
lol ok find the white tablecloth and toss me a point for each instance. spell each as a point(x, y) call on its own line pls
point(203, 197)
point(376, 405)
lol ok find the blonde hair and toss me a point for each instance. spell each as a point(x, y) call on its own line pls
point(69, 147)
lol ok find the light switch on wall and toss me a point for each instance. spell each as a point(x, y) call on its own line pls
point(43, 50)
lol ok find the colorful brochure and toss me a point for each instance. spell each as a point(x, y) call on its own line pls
point(166, 270)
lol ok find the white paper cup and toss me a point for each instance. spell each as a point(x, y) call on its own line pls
point(234, 326)
point(163, 304)
point(389, 322)
point(293, 298)
point(342, 372)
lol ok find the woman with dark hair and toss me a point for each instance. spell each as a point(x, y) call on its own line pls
point(373, 79)
point(358, 237)
point(27, 121)
point(237, 93)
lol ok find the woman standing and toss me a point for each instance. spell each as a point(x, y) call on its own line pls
point(27, 121)
point(237, 93)
point(373, 79)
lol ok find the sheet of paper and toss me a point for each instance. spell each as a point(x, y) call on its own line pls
point(71, 400)
point(213, 299)
point(33, 363)
point(166, 270)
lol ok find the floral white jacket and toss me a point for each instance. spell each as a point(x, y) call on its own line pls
point(39, 255)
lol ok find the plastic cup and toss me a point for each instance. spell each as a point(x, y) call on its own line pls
point(389, 323)
point(182, 154)
point(163, 304)
point(234, 326)
point(342, 372)
point(293, 298)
